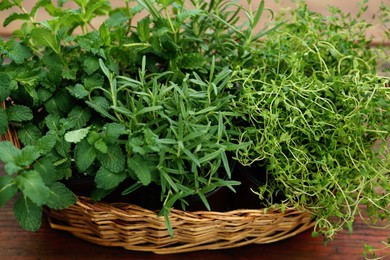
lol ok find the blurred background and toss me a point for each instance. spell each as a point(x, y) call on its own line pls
point(350, 6)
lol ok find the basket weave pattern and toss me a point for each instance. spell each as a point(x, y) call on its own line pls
point(135, 228)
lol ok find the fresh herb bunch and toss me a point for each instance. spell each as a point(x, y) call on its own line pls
point(182, 87)
point(144, 99)
point(318, 115)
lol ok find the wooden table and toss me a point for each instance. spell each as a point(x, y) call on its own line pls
point(46, 243)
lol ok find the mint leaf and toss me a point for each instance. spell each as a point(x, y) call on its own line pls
point(18, 52)
point(141, 168)
point(97, 7)
point(32, 186)
point(84, 155)
point(63, 167)
point(5, 4)
point(8, 189)
point(9, 155)
point(105, 35)
point(136, 145)
point(92, 81)
point(39, 4)
point(51, 106)
point(12, 168)
point(53, 65)
point(14, 17)
point(93, 136)
point(60, 196)
point(69, 73)
point(79, 116)
point(143, 29)
point(47, 142)
point(5, 85)
point(107, 180)
point(46, 38)
point(76, 136)
point(19, 113)
point(116, 19)
point(90, 65)
point(28, 214)
point(78, 91)
point(52, 122)
point(29, 134)
point(114, 131)
point(8, 152)
point(29, 78)
point(27, 156)
point(64, 100)
point(89, 42)
point(101, 146)
point(101, 105)
point(47, 170)
point(114, 160)
point(3, 121)
point(192, 61)
point(63, 147)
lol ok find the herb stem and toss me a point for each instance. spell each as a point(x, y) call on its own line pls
point(171, 24)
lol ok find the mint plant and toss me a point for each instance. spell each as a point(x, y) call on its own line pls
point(145, 100)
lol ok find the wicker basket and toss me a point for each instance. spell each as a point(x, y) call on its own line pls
point(135, 228)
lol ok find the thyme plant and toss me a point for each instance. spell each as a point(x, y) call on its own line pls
point(317, 113)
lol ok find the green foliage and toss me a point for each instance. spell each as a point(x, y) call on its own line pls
point(18, 52)
point(8, 189)
point(164, 99)
point(30, 134)
point(5, 85)
point(60, 196)
point(3, 121)
point(76, 136)
point(84, 155)
point(114, 160)
point(314, 106)
point(28, 214)
point(19, 113)
point(31, 184)
point(141, 168)
point(108, 180)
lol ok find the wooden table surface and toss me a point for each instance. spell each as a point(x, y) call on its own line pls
point(46, 243)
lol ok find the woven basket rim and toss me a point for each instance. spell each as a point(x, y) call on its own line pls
point(135, 228)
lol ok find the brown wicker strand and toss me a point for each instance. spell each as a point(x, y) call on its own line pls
point(135, 228)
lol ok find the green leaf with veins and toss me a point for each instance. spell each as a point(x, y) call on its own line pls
point(60, 196)
point(8, 189)
point(32, 186)
point(84, 155)
point(45, 37)
point(19, 113)
point(114, 160)
point(28, 214)
point(107, 180)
